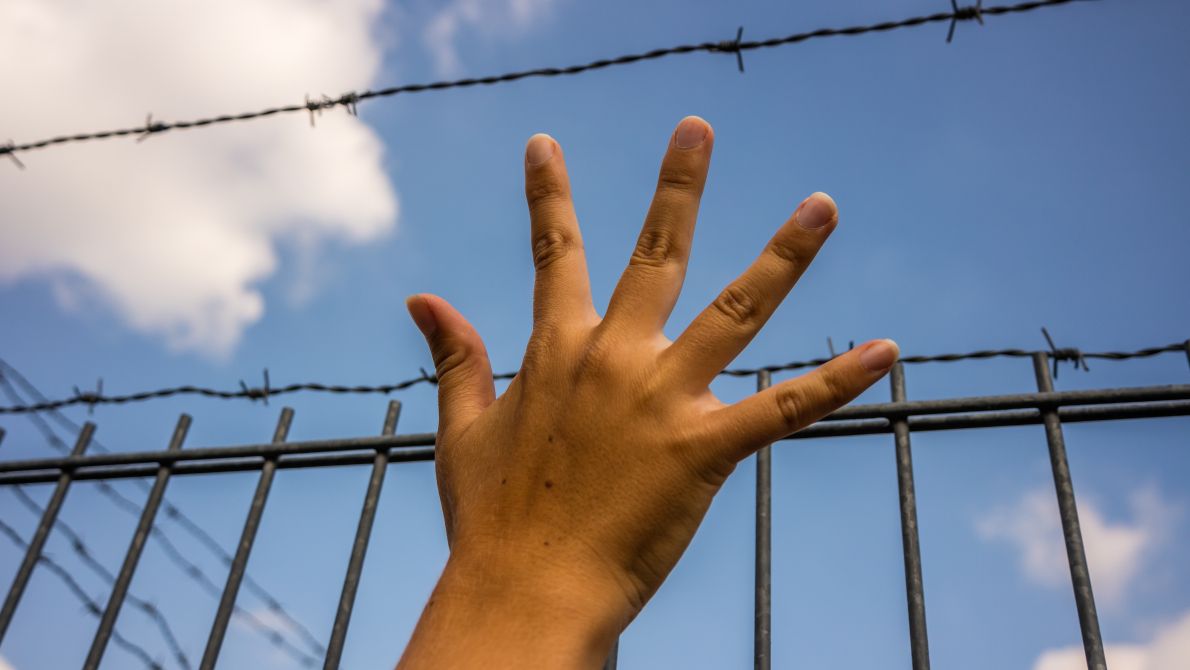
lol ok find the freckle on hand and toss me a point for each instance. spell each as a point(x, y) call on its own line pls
point(549, 484)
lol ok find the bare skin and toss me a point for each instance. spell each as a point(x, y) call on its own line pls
point(569, 498)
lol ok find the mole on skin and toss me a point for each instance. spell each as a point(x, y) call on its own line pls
point(549, 484)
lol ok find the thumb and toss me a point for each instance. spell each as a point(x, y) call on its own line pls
point(461, 362)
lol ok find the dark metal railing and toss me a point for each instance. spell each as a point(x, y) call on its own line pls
point(900, 417)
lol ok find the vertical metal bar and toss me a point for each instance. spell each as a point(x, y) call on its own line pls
point(37, 543)
point(120, 588)
point(355, 565)
point(238, 564)
point(762, 633)
point(919, 645)
point(1076, 554)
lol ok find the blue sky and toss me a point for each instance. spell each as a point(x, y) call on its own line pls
point(1031, 173)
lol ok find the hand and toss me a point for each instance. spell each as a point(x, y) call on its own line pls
point(570, 497)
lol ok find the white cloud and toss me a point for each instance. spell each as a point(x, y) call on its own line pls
point(1115, 551)
point(174, 233)
point(5, 665)
point(1168, 650)
point(489, 17)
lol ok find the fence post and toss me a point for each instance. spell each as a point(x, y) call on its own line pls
point(762, 634)
point(1076, 554)
point(919, 644)
point(359, 549)
point(235, 574)
point(120, 588)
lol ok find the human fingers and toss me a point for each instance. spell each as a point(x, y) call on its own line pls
point(465, 386)
point(562, 289)
point(650, 285)
point(792, 405)
point(727, 325)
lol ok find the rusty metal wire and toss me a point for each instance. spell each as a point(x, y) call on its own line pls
point(173, 554)
point(734, 47)
point(263, 393)
point(89, 603)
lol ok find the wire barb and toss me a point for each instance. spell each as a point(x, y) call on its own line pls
point(349, 102)
point(11, 150)
point(964, 14)
point(90, 398)
point(151, 128)
point(1064, 354)
point(261, 393)
point(734, 46)
point(318, 105)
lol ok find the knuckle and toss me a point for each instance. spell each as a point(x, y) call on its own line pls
point(738, 305)
point(790, 404)
point(543, 192)
point(678, 178)
point(450, 362)
point(654, 247)
point(548, 247)
point(790, 252)
point(836, 388)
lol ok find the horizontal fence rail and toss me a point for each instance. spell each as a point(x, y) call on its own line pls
point(899, 418)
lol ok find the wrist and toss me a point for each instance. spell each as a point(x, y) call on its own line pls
point(495, 609)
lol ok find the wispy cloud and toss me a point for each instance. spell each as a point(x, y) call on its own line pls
point(174, 234)
point(457, 19)
point(1168, 650)
point(1116, 551)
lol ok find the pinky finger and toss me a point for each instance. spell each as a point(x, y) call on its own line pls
point(788, 407)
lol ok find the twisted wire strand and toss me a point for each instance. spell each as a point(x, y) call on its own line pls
point(1065, 354)
point(89, 603)
point(173, 554)
point(85, 554)
point(350, 100)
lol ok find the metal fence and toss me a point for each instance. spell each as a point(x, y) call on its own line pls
point(900, 417)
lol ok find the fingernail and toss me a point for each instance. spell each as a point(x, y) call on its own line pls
point(815, 212)
point(539, 149)
point(690, 133)
point(879, 355)
point(419, 309)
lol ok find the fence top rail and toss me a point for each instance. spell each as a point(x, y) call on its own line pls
point(262, 393)
point(886, 410)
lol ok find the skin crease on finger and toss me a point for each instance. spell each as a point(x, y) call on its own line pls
point(569, 498)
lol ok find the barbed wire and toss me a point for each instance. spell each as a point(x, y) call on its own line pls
point(173, 554)
point(89, 603)
point(737, 46)
point(263, 393)
point(80, 548)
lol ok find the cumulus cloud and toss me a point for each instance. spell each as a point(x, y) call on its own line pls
point(1168, 650)
point(1115, 551)
point(487, 17)
point(174, 234)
